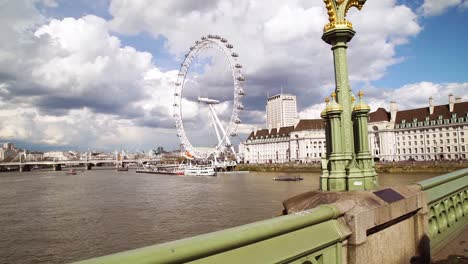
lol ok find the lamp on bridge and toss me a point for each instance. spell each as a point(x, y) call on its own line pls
point(348, 164)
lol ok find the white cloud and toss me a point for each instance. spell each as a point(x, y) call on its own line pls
point(279, 42)
point(73, 82)
point(416, 95)
point(438, 7)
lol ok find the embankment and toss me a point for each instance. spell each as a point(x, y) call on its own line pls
point(435, 167)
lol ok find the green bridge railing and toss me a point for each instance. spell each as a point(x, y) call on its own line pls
point(315, 236)
point(447, 199)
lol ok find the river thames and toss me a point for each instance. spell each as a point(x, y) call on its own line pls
point(50, 217)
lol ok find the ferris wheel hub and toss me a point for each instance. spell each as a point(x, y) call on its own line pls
point(207, 100)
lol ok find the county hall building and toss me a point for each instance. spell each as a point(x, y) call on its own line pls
point(435, 132)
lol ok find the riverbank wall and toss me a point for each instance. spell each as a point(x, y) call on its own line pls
point(396, 167)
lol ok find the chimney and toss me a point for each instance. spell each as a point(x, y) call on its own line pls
point(255, 131)
point(451, 102)
point(393, 111)
point(431, 105)
point(458, 99)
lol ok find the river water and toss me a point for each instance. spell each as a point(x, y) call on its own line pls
point(50, 217)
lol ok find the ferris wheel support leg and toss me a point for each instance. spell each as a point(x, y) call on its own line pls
point(214, 123)
point(222, 130)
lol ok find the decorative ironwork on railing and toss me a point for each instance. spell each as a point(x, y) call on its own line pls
point(447, 199)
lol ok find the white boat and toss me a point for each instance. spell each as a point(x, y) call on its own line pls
point(199, 170)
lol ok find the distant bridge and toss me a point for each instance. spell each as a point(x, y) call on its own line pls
point(56, 164)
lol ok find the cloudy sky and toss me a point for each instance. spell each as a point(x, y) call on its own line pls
point(99, 74)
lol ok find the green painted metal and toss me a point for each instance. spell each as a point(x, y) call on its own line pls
point(447, 198)
point(283, 239)
point(348, 165)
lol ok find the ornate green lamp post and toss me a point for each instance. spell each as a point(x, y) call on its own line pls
point(348, 164)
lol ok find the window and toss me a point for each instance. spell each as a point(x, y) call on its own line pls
point(422, 142)
point(448, 141)
point(455, 149)
point(447, 134)
point(427, 135)
point(462, 133)
point(427, 142)
point(433, 135)
point(448, 149)
point(440, 134)
point(441, 141)
point(421, 136)
point(462, 140)
point(409, 143)
point(455, 140)
point(454, 134)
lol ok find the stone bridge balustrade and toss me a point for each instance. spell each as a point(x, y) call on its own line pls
point(447, 197)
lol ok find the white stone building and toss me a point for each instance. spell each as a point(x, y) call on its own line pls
point(8, 151)
point(281, 111)
point(428, 133)
point(432, 133)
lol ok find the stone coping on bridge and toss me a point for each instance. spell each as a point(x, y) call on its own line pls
point(207, 245)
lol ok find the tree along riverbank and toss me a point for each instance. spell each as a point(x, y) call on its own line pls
point(389, 167)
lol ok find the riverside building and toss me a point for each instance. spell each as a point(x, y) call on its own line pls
point(423, 134)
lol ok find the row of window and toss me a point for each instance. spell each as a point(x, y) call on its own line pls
point(433, 135)
point(433, 157)
point(435, 142)
point(430, 150)
point(430, 130)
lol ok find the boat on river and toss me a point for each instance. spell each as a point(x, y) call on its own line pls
point(200, 170)
point(71, 172)
point(288, 178)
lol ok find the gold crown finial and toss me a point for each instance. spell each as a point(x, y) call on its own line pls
point(360, 94)
point(333, 95)
point(353, 99)
point(327, 99)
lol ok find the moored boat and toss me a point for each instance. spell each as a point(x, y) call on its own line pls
point(288, 178)
point(71, 172)
point(200, 170)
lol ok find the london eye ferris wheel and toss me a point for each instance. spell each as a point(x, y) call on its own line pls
point(224, 129)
